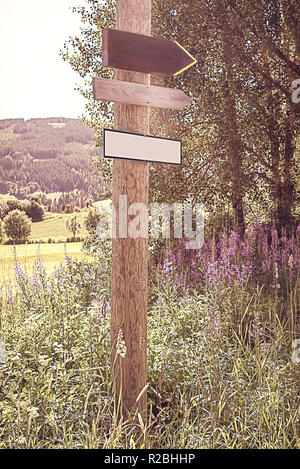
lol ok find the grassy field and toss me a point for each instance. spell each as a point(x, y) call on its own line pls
point(27, 255)
point(54, 226)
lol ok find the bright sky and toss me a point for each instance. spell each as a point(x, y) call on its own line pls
point(34, 80)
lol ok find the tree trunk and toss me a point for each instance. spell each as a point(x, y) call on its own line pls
point(233, 141)
point(288, 176)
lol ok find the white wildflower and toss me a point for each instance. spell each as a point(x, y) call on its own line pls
point(33, 412)
point(291, 261)
point(121, 346)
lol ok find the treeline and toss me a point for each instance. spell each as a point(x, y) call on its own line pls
point(48, 155)
point(240, 135)
point(33, 208)
point(65, 202)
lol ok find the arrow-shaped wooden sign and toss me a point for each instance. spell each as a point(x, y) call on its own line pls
point(145, 54)
point(139, 94)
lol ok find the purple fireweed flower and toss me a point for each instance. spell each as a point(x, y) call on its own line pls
point(266, 265)
point(19, 272)
point(36, 283)
point(68, 260)
point(230, 260)
point(39, 265)
point(167, 266)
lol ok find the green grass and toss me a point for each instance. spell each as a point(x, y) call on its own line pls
point(211, 389)
point(54, 226)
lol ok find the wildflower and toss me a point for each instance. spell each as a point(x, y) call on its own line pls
point(256, 328)
point(43, 360)
point(40, 266)
point(21, 440)
point(33, 412)
point(36, 283)
point(19, 272)
point(68, 260)
point(16, 358)
point(167, 267)
point(31, 323)
point(214, 325)
point(121, 347)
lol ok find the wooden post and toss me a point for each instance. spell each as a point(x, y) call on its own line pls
point(130, 256)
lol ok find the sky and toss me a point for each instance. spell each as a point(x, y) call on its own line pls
point(34, 80)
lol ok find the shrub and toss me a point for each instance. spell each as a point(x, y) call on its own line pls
point(9, 204)
point(17, 226)
point(91, 220)
point(69, 208)
point(34, 210)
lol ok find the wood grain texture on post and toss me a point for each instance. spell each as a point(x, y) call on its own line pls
point(130, 255)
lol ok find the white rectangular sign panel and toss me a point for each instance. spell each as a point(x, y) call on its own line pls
point(130, 146)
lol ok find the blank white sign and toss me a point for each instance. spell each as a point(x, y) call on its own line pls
point(129, 146)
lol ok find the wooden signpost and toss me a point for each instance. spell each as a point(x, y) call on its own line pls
point(135, 54)
point(138, 94)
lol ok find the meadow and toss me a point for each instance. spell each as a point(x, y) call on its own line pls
point(222, 370)
point(27, 255)
point(52, 228)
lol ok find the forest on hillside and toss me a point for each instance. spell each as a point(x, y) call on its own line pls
point(53, 155)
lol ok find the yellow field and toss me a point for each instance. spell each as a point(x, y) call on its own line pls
point(27, 254)
point(54, 227)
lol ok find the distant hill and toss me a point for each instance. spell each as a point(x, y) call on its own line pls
point(52, 155)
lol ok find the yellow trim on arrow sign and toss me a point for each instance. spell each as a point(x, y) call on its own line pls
point(190, 55)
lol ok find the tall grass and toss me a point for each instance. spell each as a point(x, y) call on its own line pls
point(220, 369)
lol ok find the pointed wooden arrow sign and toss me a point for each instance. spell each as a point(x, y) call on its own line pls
point(145, 54)
point(139, 94)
